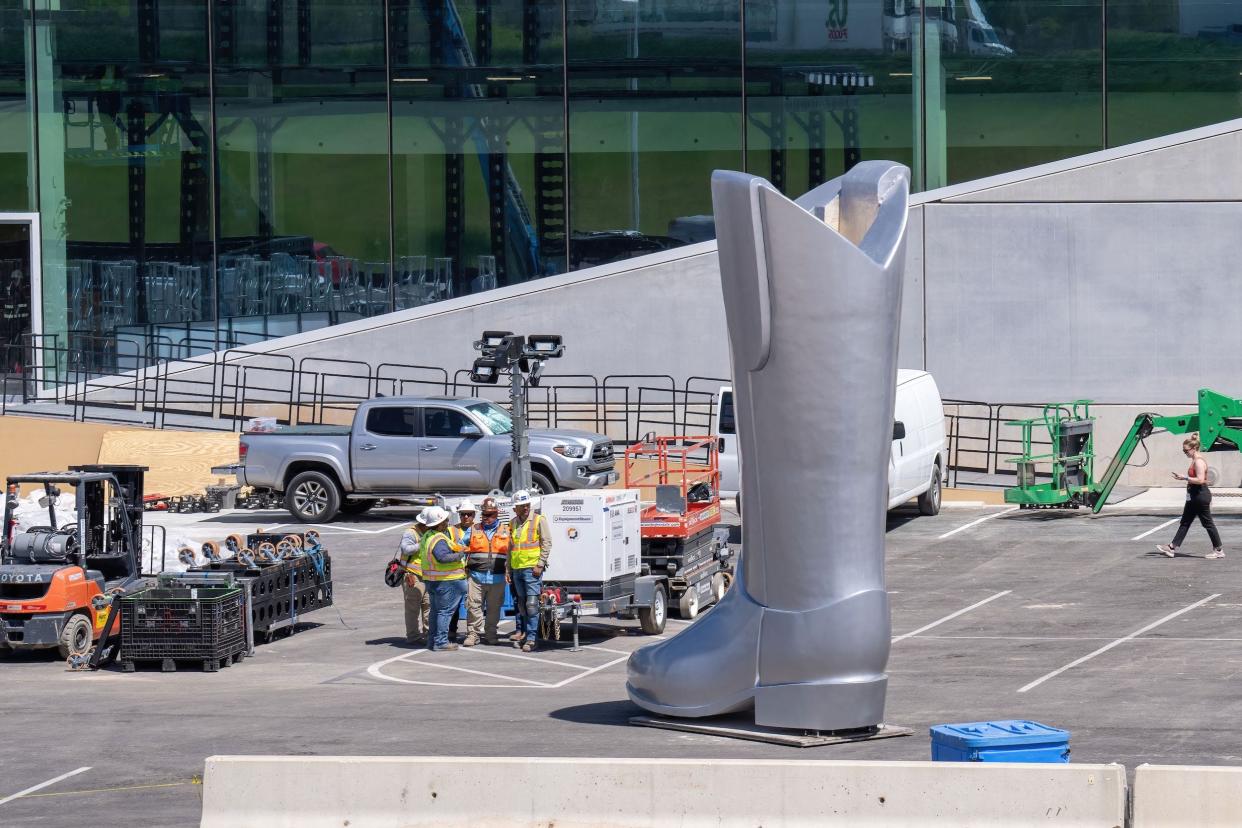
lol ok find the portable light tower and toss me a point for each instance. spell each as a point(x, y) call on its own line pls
point(523, 359)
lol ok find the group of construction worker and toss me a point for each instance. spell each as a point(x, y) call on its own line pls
point(472, 562)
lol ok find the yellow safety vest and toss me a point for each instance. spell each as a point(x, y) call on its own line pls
point(434, 570)
point(414, 561)
point(525, 552)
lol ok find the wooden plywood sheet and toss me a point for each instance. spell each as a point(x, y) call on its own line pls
point(180, 461)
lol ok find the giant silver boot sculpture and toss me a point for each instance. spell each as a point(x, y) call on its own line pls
point(812, 294)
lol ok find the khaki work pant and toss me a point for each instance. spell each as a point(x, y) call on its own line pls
point(493, 595)
point(417, 608)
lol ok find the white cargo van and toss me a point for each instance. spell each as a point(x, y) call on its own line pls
point(916, 463)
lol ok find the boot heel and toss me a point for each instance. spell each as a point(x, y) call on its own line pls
point(822, 706)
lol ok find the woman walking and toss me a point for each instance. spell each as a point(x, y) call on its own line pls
point(1198, 501)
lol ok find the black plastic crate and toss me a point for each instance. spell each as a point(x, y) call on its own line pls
point(200, 624)
point(289, 589)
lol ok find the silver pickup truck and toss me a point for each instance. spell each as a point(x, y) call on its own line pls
point(402, 447)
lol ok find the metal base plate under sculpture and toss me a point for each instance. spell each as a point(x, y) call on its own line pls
point(738, 727)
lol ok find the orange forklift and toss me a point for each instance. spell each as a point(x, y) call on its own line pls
point(57, 581)
point(680, 531)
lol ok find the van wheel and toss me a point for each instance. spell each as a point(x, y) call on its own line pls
point(75, 638)
point(652, 618)
point(929, 501)
point(312, 497)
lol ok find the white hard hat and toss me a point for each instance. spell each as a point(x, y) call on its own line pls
point(466, 506)
point(521, 498)
point(432, 516)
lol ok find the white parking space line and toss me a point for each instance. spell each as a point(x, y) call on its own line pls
point(531, 682)
point(951, 616)
point(606, 649)
point(572, 679)
point(1116, 643)
point(1157, 529)
point(43, 785)
point(335, 529)
point(952, 532)
point(502, 654)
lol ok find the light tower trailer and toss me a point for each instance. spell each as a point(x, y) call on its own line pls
point(596, 565)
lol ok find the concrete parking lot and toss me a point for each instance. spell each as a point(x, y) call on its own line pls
point(1062, 617)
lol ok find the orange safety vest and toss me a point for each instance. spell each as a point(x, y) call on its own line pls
point(497, 547)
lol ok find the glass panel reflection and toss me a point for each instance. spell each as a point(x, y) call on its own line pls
point(15, 125)
point(478, 134)
point(827, 85)
point(1019, 83)
point(301, 102)
point(124, 176)
point(1172, 66)
point(654, 106)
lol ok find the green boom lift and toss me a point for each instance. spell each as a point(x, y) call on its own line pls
point(1072, 451)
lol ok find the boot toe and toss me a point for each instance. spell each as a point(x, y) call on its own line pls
point(707, 669)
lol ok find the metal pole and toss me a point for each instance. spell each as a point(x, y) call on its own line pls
point(520, 468)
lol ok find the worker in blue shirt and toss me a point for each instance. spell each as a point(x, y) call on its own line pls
point(444, 571)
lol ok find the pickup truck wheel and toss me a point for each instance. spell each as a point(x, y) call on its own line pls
point(540, 485)
point(357, 507)
point(929, 501)
point(312, 497)
point(652, 618)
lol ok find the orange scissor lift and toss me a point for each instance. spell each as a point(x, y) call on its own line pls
point(678, 479)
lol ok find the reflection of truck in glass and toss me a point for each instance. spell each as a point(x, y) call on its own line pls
point(960, 24)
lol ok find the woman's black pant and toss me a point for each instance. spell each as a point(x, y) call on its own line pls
point(1198, 505)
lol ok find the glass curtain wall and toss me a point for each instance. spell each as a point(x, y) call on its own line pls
point(212, 173)
point(1172, 66)
point(302, 112)
point(655, 104)
point(15, 121)
point(1009, 84)
point(478, 141)
point(828, 84)
point(124, 131)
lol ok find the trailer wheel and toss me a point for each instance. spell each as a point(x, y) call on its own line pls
point(688, 605)
point(312, 497)
point(75, 638)
point(653, 618)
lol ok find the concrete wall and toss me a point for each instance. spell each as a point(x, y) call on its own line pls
point(660, 314)
point(401, 792)
point(1111, 276)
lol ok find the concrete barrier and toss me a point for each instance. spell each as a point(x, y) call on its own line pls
point(1175, 795)
point(387, 792)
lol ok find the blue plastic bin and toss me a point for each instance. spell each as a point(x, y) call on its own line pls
point(506, 609)
point(1013, 740)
